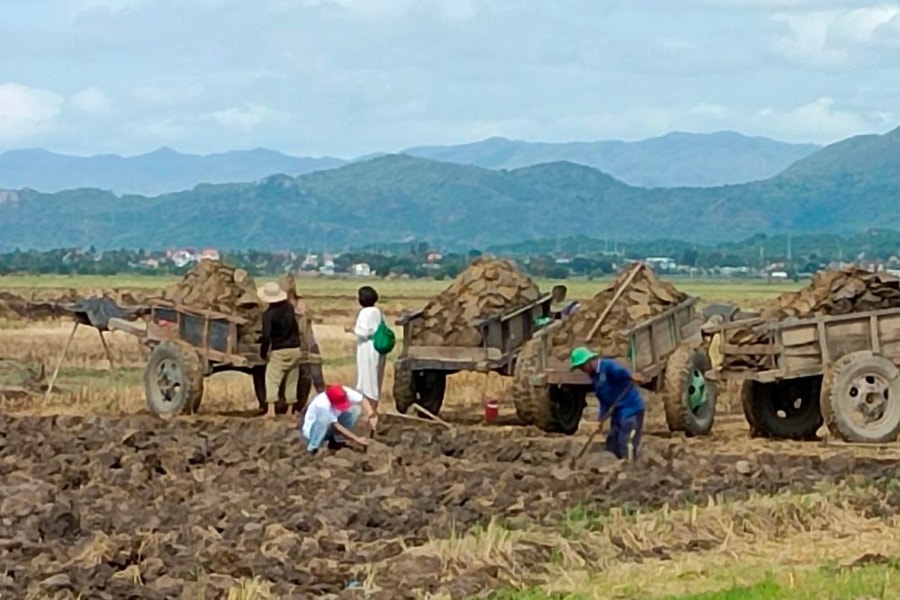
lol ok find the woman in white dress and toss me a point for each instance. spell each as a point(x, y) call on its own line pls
point(369, 362)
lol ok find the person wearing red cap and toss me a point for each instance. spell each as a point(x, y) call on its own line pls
point(332, 415)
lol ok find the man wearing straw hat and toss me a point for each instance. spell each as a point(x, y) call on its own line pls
point(279, 346)
point(289, 286)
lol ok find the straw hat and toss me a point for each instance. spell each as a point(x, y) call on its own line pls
point(271, 293)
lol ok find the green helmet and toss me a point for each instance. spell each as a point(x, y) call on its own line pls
point(582, 356)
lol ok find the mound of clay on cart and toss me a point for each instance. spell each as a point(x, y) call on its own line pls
point(488, 287)
point(835, 292)
point(647, 296)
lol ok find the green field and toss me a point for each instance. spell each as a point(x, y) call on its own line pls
point(719, 290)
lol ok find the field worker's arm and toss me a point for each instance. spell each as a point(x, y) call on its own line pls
point(350, 435)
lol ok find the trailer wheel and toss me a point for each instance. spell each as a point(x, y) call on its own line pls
point(173, 379)
point(689, 399)
point(522, 390)
point(425, 388)
point(748, 391)
point(787, 409)
point(554, 409)
point(860, 399)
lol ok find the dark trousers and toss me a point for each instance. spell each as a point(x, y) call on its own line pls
point(620, 429)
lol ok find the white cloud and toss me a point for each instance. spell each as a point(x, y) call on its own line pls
point(831, 37)
point(242, 118)
point(92, 101)
point(26, 111)
point(819, 120)
point(154, 95)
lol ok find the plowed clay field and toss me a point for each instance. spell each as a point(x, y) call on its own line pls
point(115, 507)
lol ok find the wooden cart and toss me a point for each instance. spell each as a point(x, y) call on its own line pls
point(664, 352)
point(420, 374)
point(188, 344)
point(840, 370)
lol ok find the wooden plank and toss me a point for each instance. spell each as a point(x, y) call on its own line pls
point(799, 336)
point(812, 349)
point(199, 312)
point(795, 364)
point(613, 301)
point(528, 308)
point(823, 341)
point(643, 349)
point(686, 306)
point(135, 328)
point(874, 337)
point(453, 353)
point(749, 349)
point(409, 317)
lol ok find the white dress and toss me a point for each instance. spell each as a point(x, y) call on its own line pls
point(369, 363)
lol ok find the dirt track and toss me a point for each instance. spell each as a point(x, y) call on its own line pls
point(89, 504)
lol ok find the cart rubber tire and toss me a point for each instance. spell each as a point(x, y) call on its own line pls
point(184, 366)
point(862, 373)
point(554, 409)
point(769, 400)
point(526, 366)
point(404, 393)
point(747, 393)
point(425, 388)
point(684, 377)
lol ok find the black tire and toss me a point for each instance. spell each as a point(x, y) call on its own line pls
point(522, 389)
point(747, 395)
point(689, 398)
point(425, 388)
point(555, 408)
point(404, 393)
point(567, 404)
point(866, 381)
point(787, 409)
point(173, 379)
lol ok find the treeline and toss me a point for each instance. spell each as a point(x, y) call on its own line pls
point(556, 259)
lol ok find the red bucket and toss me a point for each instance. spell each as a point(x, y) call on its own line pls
point(491, 411)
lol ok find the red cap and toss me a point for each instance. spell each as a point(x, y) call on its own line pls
point(337, 395)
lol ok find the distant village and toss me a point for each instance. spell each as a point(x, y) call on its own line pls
point(343, 265)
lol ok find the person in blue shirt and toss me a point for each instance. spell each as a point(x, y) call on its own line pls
point(617, 390)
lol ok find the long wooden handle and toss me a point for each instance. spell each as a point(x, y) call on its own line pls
point(615, 299)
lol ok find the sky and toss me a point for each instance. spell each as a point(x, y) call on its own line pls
point(349, 77)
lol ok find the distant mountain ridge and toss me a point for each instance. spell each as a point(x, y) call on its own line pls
point(673, 160)
point(398, 197)
point(676, 159)
point(158, 172)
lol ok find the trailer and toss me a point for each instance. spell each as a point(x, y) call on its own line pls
point(420, 373)
point(189, 344)
point(665, 354)
point(838, 370)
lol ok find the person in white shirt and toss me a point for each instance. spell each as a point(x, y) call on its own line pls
point(332, 415)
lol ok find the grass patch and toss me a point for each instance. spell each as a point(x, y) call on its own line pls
point(722, 290)
point(874, 581)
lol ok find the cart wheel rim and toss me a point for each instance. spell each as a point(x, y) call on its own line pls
point(697, 392)
point(867, 396)
point(169, 380)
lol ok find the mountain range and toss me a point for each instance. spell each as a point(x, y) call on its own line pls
point(843, 188)
point(675, 159)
